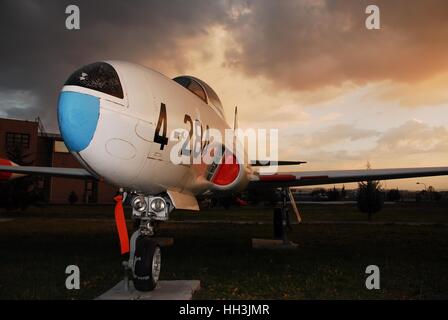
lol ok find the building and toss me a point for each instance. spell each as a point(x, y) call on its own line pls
point(38, 148)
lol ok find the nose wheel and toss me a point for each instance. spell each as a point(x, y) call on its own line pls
point(144, 251)
point(146, 263)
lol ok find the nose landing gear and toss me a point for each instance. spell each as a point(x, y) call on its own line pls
point(147, 263)
point(145, 255)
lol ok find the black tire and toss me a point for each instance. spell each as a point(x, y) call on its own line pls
point(146, 252)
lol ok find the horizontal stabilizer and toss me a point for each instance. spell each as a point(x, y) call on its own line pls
point(267, 163)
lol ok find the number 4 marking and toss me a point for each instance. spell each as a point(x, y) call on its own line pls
point(161, 139)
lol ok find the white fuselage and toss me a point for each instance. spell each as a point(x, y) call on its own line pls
point(122, 150)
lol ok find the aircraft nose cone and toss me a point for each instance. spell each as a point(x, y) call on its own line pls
point(78, 115)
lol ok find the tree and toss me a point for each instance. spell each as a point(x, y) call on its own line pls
point(429, 194)
point(393, 195)
point(420, 196)
point(333, 194)
point(343, 192)
point(263, 195)
point(319, 194)
point(433, 194)
point(370, 198)
point(437, 196)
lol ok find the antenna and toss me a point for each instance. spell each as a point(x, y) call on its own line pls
point(235, 120)
point(41, 127)
point(235, 126)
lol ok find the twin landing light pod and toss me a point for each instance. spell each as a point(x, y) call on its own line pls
point(156, 204)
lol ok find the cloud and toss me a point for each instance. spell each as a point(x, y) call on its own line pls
point(335, 134)
point(17, 103)
point(429, 92)
point(413, 137)
point(306, 45)
point(307, 51)
point(411, 144)
point(38, 53)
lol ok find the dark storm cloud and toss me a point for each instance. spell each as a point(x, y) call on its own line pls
point(299, 45)
point(38, 53)
point(305, 45)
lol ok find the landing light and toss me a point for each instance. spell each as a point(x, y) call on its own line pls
point(158, 204)
point(139, 204)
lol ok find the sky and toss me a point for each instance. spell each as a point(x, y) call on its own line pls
point(341, 95)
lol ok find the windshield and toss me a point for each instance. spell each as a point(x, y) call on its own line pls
point(98, 76)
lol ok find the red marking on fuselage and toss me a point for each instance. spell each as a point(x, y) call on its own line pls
point(278, 177)
point(227, 172)
point(5, 175)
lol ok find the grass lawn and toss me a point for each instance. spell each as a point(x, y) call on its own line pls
point(330, 262)
point(436, 212)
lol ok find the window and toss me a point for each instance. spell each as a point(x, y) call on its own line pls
point(14, 139)
point(98, 76)
point(193, 86)
point(59, 147)
point(90, 191)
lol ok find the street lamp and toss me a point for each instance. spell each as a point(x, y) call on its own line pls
point(422, 184)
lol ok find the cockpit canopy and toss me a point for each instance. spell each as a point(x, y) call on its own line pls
point(203, 91)
point(99, 76)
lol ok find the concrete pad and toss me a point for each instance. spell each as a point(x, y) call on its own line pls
point(165, 290)
point(273, 244)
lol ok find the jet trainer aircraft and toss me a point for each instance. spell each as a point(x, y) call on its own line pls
point(116, 118)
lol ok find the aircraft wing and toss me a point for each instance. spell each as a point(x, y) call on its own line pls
point(48, 171)
point(310, 178)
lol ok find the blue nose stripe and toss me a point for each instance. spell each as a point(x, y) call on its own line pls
point(78, 117)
